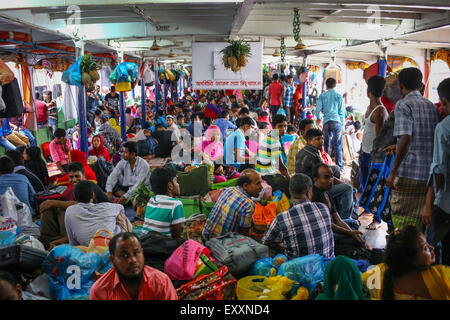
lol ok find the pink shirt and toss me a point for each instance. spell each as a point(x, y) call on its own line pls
point(58, 153)
point(156, 286)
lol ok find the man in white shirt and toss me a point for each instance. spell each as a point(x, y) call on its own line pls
point(85, 218)
point(128, 175)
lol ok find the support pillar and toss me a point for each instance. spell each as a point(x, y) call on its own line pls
point(123, 124)
point(81, 99)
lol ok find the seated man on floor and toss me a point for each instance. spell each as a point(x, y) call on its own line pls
point(19, 184)
point(299, 143)
point(129, 278)
point(19, 168)
point(164, 213)
point(304, 229)
point(233, 211)
point(128, 174)
point(59, 149)
point(310, 156)
point(343, 233)
point(53, 229)
point(85, 218)
point(13, 137)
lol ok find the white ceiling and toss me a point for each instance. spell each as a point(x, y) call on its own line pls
point(346, 27)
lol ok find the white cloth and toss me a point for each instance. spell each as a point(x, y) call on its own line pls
point(70, 102)
point(83, 220)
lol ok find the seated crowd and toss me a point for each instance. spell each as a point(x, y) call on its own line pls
point(257, 146)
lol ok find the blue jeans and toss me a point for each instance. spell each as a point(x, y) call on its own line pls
point(29, 135)
point(6, 144)
point(53, 124)
point(364, 169)
point(343, 196)
point(335, 128)
point(438, 235)
point(274, 110)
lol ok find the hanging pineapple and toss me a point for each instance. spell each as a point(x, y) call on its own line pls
point(235, 55)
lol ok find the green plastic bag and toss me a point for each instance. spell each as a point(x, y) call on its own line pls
point(190, 206)
point(226, 184)
point(207, 267)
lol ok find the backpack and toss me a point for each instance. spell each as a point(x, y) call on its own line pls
point(236, 251)
point(157, 249)
point(143, 148)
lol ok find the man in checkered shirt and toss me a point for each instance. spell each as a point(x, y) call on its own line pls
point(415, 121)
point(288, 98)
point(305, 228)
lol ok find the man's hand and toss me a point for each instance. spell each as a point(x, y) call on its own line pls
point(356, 235)
point(57, 243)
point(391, 179)
point(390, 150)
point(122, 200)
point(110, 196)
point(427, 214)
point(47, 204)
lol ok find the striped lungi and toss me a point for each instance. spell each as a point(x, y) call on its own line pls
point(407, 202)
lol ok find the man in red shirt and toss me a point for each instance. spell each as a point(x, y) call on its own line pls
point(41, 110)
point(129, 278)
point(275, 96)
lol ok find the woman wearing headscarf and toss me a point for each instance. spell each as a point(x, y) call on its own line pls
point(98, 149)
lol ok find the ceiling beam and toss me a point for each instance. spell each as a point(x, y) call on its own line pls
point(241, 16)
point(419, 3)
point(318, 7)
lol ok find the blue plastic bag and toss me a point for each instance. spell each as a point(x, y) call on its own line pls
point(72, 75)
point(263, 266)
point(124, 72)
point(306, 271)
point(70, 272)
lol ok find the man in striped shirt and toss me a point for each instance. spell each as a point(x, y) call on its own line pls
point(288, 99)
point(305, 228)
point(164, 213)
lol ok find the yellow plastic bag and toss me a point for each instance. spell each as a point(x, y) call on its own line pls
point(123, 86)
point(263, 288)
point(302, 294)
point(99, 244)
point(283, 204)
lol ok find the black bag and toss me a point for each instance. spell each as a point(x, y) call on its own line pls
point(13, 100)
point(21, 258)
point(102, 170)
point(157, 249)
point(143, 148)
point(352, 251)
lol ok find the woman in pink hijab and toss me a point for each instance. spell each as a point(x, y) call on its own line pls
point(211, 144)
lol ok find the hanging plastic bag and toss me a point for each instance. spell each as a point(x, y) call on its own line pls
point(263, 288)
point(281, 200)
point(71, 272)
point(72, 75)
point(306, 271)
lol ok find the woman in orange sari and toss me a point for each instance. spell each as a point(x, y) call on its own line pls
point(297, 96)
point(78, 156)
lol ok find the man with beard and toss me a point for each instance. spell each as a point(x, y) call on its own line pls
point(129, 278)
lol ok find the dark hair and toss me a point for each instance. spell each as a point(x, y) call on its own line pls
point(263, 114)
point(217, 166)
point(98, 112)
point(244, 121)
point(159, 125)
point(275, 77)
point(83, 191)
point(119, 237)
point(262, 125)
point(243, 179)
point(443, 89)
point(131, 146)
point(112, 89)
point(37, 95)
point(400, 258)
point(180, 116)
point(8, 277)
point(232, 97)
point(6, 165)
point(60, 133)
point(357, 125)
point(315, 169)
point(15, 156)
point(196, 115)
point(312, 133)
point(208, 121)
point(376, 85)
point(244, 111)
point(112, 113)
point(300, 184)
point(21, 149)
point(290, 76)
point(128, 110)
point(410, 78)
point(34, 153)
point(291, 128)
point(331, 83)
point(278, 119)
point(224, 114)
point(75, 166)
point(302, 125)
point(159, 179)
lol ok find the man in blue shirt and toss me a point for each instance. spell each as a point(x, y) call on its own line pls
point(331, 104)
point(224, 123)
point(236, 152)
point(20, 185)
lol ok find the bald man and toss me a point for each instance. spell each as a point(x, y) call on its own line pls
point(233, 211)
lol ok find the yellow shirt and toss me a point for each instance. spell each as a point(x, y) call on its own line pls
point(298, 145)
